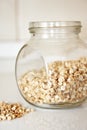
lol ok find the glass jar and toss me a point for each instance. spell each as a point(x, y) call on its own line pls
point(51, 69)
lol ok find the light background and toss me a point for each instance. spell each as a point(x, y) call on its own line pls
point(15, 15)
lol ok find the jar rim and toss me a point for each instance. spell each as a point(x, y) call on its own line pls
point(54, 24)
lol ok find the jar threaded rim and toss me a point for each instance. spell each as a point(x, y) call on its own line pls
point(54, 24)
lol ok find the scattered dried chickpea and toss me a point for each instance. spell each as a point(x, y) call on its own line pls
point(65, 82)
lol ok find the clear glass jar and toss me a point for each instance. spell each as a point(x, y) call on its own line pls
point(51, 69)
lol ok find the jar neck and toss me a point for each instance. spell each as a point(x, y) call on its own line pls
point(55, 33)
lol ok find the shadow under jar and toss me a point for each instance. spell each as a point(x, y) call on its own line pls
point(51, 69)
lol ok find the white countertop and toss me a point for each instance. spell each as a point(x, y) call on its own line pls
point(71, 119)
point(41, 119)
point(49, 120)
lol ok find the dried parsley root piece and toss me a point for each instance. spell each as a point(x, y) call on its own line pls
point(10, 111)
point(65, 82)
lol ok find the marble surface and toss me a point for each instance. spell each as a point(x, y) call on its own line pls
point(69, 119)
point(41, 119)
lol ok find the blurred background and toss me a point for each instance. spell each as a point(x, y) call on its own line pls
point(15, 16)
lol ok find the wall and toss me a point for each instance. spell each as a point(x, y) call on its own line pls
point(15, 15)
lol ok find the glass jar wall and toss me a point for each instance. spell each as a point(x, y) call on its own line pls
point(51, 69)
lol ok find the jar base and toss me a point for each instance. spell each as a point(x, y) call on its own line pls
point(58, 106)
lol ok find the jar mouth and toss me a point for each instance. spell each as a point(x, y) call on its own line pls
point(54, 24)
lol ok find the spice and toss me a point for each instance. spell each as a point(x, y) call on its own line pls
point(65, 82)
point(11, 111)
